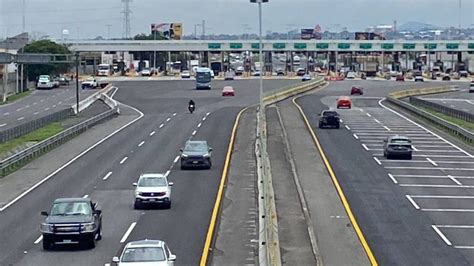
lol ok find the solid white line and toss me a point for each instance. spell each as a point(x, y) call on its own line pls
point(441, 197)
point(19, 109)
point(355, 136)
point(168, 119)
point(86, 196)
point(414, 148)
point(123, 160)
point(456, 226)
point(431, 161)
point(107, 175)
point(445, 239)
point(167, 173)
point(129, 231)
point(365, 147)
point(395, 112)
point(194, 132)
point(369, 115)
point(447, 210)
point(113, 93)
point(46, 109)
point(378, 122)
point(208, 114)
point(388, 129)
point(38, 240)
point(377, 160)
point(393, 178)
point(430, 168)
point(141, 143)
point(7, 113)
point(422, 176)
point(54, 106)
point(2, 125)
point(152, 133)
point(161, 125)
point(73, 159)
point(176, 159)
point(21, 118)
point(348, 128)
point(174, 114)
point(199, 125)
point(435, 186)
point(464, 247)
point(412, 202)
point(433, 156)
point(454, 180)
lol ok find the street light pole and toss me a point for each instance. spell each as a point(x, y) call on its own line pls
point(77, 83)
point(154, 53)
point(260, 48)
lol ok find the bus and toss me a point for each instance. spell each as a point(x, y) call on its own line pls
point(104, 70)
point(203, 78)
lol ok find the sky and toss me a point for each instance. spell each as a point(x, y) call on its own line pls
point(85, 19)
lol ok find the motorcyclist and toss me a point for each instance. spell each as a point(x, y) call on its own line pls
point(191, 106)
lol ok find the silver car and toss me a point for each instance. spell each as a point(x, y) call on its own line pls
point(152, 189)
point(146, 252)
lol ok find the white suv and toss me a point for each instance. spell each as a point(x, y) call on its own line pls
point(44, 82)
point(146, 252)
point(152, 189)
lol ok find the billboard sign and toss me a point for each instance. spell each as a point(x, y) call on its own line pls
point(168, 31)
point(307, 34)
point(368, 36)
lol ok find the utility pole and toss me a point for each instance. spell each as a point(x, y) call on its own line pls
point(108, 31)
point(77, 83)
point(23, 25)
point(203, 29)
point(460, 10)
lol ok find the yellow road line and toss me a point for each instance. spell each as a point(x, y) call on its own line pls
point(217, 204)
point(352, 218)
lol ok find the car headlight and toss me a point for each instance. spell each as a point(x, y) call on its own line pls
point(184, 155)
point(207, 155)
point(90, 227)
point(46, 228)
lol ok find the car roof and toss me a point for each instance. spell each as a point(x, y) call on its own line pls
point(228, 88)
point(145, 243)
point(197, 141)
point(398, 137)
point(72, 200)
point(344, 98)
point(152, 175)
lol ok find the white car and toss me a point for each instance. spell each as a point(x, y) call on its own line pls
point(44, 82)
point(146, 72)
point(351, 75)
point(146, 252)
point(152, 189)
point(419, 78)
point(185, 74)
point(90, 83)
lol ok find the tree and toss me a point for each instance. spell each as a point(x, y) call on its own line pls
point(46, 47)
point(143, 36)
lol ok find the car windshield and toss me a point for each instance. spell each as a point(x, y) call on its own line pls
point(90, 79)
point(104, 67)
point(195, 146)
point(400, 141)
point(152, 181)
point(330, 113)
point(143, 254)
point(71, 209)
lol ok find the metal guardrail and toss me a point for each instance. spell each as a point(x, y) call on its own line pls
point(27, 154)
point(456, 130)
point(30, 126)
point(469, 117)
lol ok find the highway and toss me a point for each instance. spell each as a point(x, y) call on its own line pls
point(106, 174)
point(461, 100)
point(40, 103)
point(416, 212)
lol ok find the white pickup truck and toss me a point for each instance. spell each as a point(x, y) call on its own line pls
point(90, 83)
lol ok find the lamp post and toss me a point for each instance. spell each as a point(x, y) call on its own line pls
point(260, 46)
point(77, 82)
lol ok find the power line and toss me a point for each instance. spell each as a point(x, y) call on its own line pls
point(126, 19)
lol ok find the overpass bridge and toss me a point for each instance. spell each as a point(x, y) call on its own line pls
point(341, 46)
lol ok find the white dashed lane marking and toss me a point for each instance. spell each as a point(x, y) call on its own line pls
point(152, 133)
point(141, 143)
point(107, 176)
point(123, 160)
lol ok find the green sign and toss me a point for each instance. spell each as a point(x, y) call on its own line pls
point(452, 46)
point(409, 46)
point(279, 46)
point(214, 46)
point(365, 46)
point(300, 45)
point(470, 46)
point(430, 46)
point(387, 45)
point(236, 46)
point(322, 45)
point(343, 45)
point(256, 46)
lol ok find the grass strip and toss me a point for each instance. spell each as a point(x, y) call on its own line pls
point(16, 97)
point(459, 122)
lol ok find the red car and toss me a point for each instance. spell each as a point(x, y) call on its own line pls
point(344, 101)
point(400, 78)
point(228, 91)
point(357, 90)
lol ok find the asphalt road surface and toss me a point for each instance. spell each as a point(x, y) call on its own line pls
point(106, 174)
point(40, 103)
point(461, 100)
point(412, 212)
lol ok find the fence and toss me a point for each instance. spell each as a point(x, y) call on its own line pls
point(469, 117)
point(30, 126)
point(22, 157)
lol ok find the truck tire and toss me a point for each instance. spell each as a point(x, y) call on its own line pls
point(47, 244)
point(99, 233)
point(91, 242)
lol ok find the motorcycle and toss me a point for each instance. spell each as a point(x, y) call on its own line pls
point(191, 108)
